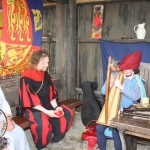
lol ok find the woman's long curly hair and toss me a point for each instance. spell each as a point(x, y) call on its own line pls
point(36, 57)
point(3, 142)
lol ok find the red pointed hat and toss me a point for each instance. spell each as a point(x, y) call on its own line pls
point(131, 61)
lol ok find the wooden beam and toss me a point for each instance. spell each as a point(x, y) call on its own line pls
point(45, 4)
point(90, 1)
point(60, 52)
point(58, 1)
point(70, 48)
point(53, 2)
point(103, 1)
point(137, 134)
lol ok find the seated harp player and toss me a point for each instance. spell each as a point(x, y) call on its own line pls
point(122, 89)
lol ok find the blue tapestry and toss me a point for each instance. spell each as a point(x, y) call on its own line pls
point(120, 49)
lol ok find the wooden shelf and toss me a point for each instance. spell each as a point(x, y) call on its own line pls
point(48, 3)
point(88, 40)
point(47, 39)
point(102, 1)
point(94, 40)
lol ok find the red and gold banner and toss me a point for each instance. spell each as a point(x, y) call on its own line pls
point(22, 26)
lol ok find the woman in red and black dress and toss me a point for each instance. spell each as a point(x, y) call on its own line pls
point(37, 97)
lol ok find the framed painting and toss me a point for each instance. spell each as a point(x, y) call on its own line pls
point(97, 21)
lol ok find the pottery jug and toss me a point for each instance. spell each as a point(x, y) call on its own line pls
point(140, 31)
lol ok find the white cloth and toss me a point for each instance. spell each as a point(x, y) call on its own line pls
point(17, 138)
point(4, 106)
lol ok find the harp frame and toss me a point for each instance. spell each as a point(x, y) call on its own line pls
point(106, 114)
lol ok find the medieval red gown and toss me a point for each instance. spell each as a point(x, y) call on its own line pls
point(37, 88)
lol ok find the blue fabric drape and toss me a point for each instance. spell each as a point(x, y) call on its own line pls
point(119, 49)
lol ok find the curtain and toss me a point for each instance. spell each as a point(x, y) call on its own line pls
point(120, 49)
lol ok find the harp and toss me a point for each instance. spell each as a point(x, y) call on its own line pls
point(112, 97)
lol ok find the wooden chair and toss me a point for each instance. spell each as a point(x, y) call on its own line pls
point(144, 71)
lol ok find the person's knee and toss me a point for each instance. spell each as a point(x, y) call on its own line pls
point(114, 131)
point(100, 129)
point(68, 114)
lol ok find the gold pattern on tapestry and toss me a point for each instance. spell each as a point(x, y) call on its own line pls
point(37, 19)
point(18, 18)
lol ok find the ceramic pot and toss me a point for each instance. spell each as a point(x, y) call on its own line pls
point(140, 31)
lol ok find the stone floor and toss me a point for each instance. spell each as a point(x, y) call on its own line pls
point(73, 137)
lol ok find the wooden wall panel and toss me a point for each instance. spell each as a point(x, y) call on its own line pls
point(106, 20)
point(85, 17)
point(57, 57)
point(53, 55)
point(142, 13)
point(144, 71)
point(113, 20)
point(126, 21)
point(90, 64)
point(81, 18)
point(61, 47)
point(49, 21)
point(82, 64)
point(121, 17)
point(61, 21)
point(88, 18)
point(98, 75)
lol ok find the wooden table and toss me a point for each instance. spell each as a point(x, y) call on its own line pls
point(133, 128)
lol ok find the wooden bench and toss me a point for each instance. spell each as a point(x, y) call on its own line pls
point(21, 121)
point(71, 103)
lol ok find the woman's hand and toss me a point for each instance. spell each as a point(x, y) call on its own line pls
point(10, 125)
point(112, 79)
point(60, 109)
point(53, 113)
point(118, 84)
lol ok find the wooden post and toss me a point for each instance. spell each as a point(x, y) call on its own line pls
point(65, 47)
point(71, 48)
point(61, 47)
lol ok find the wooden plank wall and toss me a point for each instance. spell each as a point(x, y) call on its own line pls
point(121, 17)
point(89, 65)
point(61, 47)
point(61, 21)
point(144, 72)
point(49, 27)
point(71, 49)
